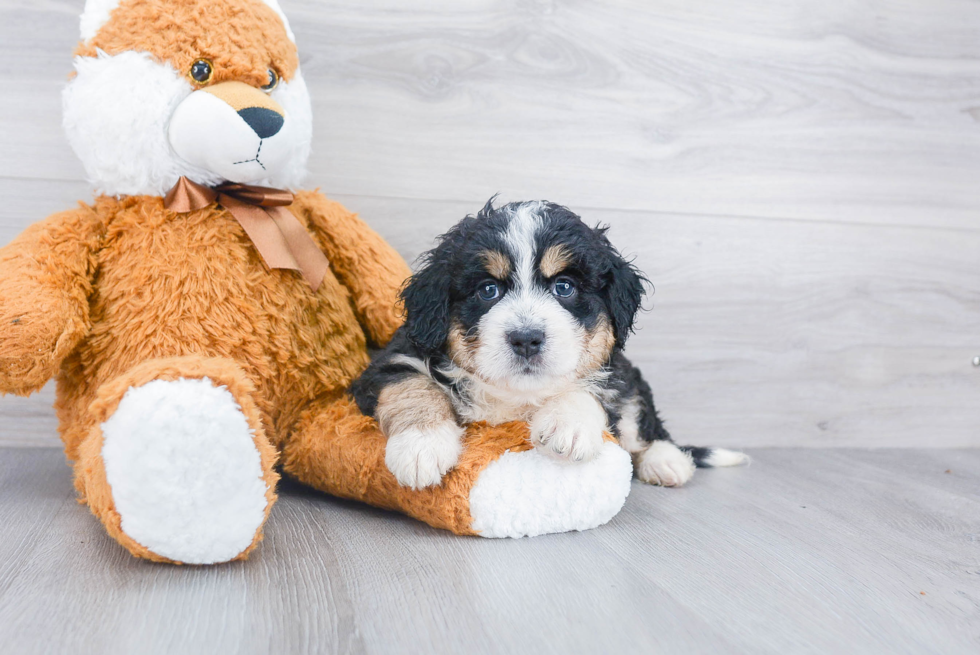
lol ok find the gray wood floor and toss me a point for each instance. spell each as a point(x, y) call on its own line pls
point(799, 181)
point(806, 551)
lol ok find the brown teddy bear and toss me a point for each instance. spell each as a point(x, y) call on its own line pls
point(200, 326)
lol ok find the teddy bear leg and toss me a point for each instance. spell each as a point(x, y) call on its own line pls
point(501, 486)
point(176, 465)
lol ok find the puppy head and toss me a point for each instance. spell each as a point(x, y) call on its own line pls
point(207, 89)
point(523, 296)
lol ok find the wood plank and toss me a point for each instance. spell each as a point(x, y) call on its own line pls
point(851, 546)
point(858, 112)
point(804, 551)
point(78, 590)
point(29, 421)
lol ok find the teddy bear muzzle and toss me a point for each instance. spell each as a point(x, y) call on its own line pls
point(233, 130)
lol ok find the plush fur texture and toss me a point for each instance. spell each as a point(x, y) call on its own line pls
point(140, 56)
point(97, 13)
point(521, 313)
point(183, 363)
point(96, 488)
point(527, 493)
point(181, 284)
point(500, 487)
point(186, 476)
point(185, 366)
point(189, 285)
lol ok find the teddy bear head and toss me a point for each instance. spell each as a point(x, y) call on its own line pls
point(207, 89)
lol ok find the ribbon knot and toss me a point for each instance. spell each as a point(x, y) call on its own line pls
point(280, 238)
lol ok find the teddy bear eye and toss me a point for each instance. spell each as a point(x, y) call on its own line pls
point(273, 81)
point(201, 71)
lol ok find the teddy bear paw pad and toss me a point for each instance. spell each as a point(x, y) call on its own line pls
point(185, 474)
point(528, 493)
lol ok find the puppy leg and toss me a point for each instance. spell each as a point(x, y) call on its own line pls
point(656, 459)
point(423, 436)
point(570, 426)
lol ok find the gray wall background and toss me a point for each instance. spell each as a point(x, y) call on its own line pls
point(801, 181)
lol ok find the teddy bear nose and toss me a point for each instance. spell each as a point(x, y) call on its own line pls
point(264, 122)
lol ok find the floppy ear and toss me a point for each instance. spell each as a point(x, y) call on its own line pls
point(623, 292)
point(426, 299)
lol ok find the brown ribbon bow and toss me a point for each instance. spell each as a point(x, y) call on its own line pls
point(279, 237)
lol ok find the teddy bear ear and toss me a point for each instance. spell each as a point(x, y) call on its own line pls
point(94, 16)
point(274, 6)
point(97, 13)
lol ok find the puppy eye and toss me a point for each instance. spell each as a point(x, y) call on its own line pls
point(488, 290)
point(563, 287)
point(273, 81)
point(201, 71)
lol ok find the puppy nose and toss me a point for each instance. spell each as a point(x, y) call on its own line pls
point(526, 343)
point(264, 122)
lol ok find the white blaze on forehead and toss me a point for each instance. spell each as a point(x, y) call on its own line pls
point(525, 221)
point(96, 14)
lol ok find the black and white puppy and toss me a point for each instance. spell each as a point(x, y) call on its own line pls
point(520, 313)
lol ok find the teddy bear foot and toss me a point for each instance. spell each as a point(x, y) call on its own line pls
point(184, 476)
point(528, 493)
point(502, 486)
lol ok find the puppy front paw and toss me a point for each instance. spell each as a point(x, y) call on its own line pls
point(570, 426)
point(419, 458)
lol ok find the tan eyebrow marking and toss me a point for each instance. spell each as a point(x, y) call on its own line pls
point(497, 263)
point(555, 260)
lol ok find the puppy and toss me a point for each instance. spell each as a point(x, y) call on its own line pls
point(520, 313)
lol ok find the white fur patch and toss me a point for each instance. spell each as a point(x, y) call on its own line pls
point(521, 230)
point(725, 457)
point(186, 477)
point(94, 16)
point(419, 458)
point(294, 98)
point(117, 113)
point(570, 426)
point(629, 427)
point(665, 464)
point(528, 493)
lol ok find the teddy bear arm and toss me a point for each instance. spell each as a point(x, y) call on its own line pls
point(371, 269)
point(501, 486)
point(45, 282)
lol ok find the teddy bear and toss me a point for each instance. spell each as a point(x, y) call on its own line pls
point(203, 316)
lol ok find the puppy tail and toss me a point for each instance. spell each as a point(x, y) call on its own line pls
point(706, 458)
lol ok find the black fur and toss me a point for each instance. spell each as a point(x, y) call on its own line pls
point(426, 301)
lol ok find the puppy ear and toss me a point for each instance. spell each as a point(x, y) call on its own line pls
point(426, 300)
point(623, 291)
